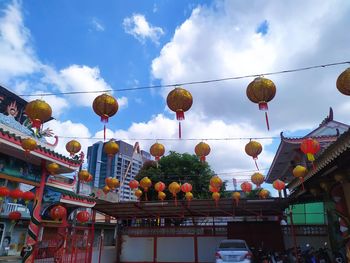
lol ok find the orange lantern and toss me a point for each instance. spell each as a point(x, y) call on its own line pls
point(106, 189)
point(14, 216)
point(138, 194)
point(73, 147)
point(58, 212)
point(179, 100)
point(186, 187)
point(53, 168)
point(202, 149)
point(28, 196)
point(253, 149)
point(4, 192)
point(216, 197)
point(263, 194)
point(161, 195)
point(16, 194)
point(159, 187)
point(115, 183)
point(109, 182)
point(216, 182)
point(133, 184)
point(213, 189)
point(174, 188)
point(89, 179)
point(310, 147)
point(28, 144)
point(38, 111)
point(343, 82)
point(261, 91)
point(257, 179)
point(300, 172)
point(157, 150)
point(236, 197)
point(83, 175)
point(279, 186)
point(105, 106)
point(246, 187)
point(83, 217)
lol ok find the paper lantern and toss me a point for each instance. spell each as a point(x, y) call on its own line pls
point(28, 144)
point(14, 216)
point(105, 106)
point(73, 147)
point(263, 194)
point(189, 196)
point(58, 212)
point(38, 111)
point(138, 193)
point(174, 188)
point(133, 184)
point(202, 149)
point(236, 196)
point(246, 187)
point(16, 194)
point(159, 187)
point(253, 149)
point(261, 91)
point(4, 192)
point(161, 195)
point(300, 172)
point(111, 148)
point(115, 183)
point(106, 189)
point(157, 150)
point(343, 82)
point(213, 189)
point(28, 196)
point(145, 183)
point(310, 147)
point(216, 182)
point(257, 179)
point(89, 179)
point(108, 182)
point(83, 175)
point(53, 168)
point(216, 197)
point(83, 217)
point(179, 100)
point(186, 187)
point(279, 186)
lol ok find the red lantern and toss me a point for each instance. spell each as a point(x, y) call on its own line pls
point(186, 187)
point(105, 106)
point(28, 196)
point(279, 186)
point(157, 150)
point(179, 100)
point(202, 149)
point(213, 189)
point(58, 212)
point(253, 149)
point(246, 187)
point(159, 187)
point(15, 216)
point(16, 194)
point(83, 217)
point(4, 192)
point(133, 184)
point(310, 147)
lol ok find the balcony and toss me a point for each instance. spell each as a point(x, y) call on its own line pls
point(11, 207)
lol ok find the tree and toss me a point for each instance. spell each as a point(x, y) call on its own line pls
point(180, 168)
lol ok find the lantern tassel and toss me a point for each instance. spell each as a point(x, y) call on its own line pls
point(302, 182)
point(310, 157)
point(180, 115)
point(256, 164)
point(202, 159)
point(267, 121)
point(146, 196)
point(216, 203)
point(175, 200)
point(104, 132)
point(179, 130)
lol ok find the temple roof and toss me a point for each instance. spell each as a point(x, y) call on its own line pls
point(70, 197)
point(288, 154)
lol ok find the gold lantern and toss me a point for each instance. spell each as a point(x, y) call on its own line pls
point(261, 91)
point(202, 149)
point(28, 144)
point(111, 148)
point(38, 111)
point(138, 193)
point(161, 195)
point(174, 188)
point(300, 172)
point(215, 182)
point(83, 175)
point(73, 147)
point(263, 194)
point(106, 189)
point(157, 150)
point(257, 179)
point(52, 168)
point(236, 196)
point(179, 100)
point(253, 149)
point(343, 82)
point(216, 197)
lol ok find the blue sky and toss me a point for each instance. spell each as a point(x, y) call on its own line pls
point(63, 46)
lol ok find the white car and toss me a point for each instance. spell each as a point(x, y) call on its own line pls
point(233, 250)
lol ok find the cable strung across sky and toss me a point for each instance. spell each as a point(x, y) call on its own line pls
point(191, 82)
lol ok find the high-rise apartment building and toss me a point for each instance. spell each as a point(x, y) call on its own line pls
point(124, 166)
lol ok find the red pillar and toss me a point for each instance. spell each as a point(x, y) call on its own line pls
point(35, 221)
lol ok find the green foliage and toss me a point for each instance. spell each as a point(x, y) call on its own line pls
point(180, 168)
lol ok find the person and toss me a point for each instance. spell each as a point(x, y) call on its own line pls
point(5, 245)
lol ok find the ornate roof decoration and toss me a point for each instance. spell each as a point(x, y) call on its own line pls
point(72, 198)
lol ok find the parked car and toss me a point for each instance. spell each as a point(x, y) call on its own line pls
point(233, 250)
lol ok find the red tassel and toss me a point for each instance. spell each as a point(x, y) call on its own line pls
point(216, 203)
point(146, 196)
point(104, 118)
point(180, 115)
point(104, 132)
point(179, 130)
point(302, 182)
point(267, 121)
point(36, 123)
point(175, 200)
point(202, 159)
point(256, 164)
point(263, 106)
point(157, 158)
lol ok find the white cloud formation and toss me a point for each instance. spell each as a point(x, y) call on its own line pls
point(138, 26)
point(97, 25)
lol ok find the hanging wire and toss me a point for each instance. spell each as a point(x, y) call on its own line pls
point(191, 82)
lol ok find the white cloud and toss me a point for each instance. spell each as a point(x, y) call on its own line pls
point(138, 26)
point(97, 25)
point(122, 102)
point(16, 53)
